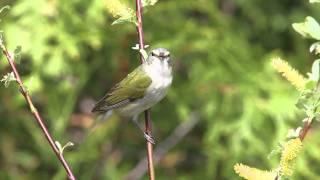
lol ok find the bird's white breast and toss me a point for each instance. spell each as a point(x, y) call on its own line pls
point(161, 75)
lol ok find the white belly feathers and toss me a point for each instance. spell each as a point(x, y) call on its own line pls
point(161, 74)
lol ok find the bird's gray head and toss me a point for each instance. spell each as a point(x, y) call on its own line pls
point(159, 64)
point(161, 53)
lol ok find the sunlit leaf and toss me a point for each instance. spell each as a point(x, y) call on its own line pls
point(294, 133)
point(310, 84)
point(125, 19)
point(58, 146)
point(309, 28)
point(149, 2)
point(4, 8)
point(315, 47)
point(315, 71)
point(7, 79)
point(275, 151)
point(314, 1)
point(62, 148)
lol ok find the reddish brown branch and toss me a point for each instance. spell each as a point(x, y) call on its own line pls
point(305, 129)
point(162, 149)
point(35, 113)
point(148, 130)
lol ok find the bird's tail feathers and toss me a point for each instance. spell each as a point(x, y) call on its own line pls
point(101, 118)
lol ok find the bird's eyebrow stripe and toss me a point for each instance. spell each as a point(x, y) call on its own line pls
point(160, 54)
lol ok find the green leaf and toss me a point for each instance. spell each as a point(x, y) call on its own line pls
point(310, 84)
point(276, 151)
point(149, 2)
point(315, 47)
point(17, 54)
point(314, 1)
point(294, 133)
point(309, 28)
point(60, 148)
point(128, 16)
point(123, 20)
point(7, 79)
point(4, 8)
point(315, 71)
point(304, 99)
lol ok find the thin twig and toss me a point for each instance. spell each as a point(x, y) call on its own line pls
point(305, 129)
point(35, 112)
point(171, 141)
point(148, 130)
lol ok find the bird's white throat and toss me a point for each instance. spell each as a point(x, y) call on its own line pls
point(160, 71)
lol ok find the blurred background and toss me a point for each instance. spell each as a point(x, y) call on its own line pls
point(226, 104)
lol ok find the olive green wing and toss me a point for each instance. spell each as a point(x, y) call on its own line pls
point(129, 89)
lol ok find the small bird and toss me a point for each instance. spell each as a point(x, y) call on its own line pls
point(141, 89)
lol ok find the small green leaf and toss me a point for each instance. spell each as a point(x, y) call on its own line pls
point(309, 102)
point(315, 47)
point(60, 148)
point(69, 144)
point(317, 116)
point(309, 28)
point(1, 39)
point(310, 84)
point(149, 2)
point(277, 150)
point(128, 16)
point(315, 71)
point(300, 103)
point(294, 133)
point(4, 8)
point(7, 79)
point(17, 54)
point(123, 20)
point(314, 1)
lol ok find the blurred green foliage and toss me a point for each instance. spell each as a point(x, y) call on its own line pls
point(71, 55)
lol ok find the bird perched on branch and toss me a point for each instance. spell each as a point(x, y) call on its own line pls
point(139, 90)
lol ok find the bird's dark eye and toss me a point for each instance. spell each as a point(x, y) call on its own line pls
point(153, 54)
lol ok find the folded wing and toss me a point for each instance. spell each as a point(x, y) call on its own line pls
point(129, 89)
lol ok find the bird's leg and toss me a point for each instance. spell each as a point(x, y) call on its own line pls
point(148, 137)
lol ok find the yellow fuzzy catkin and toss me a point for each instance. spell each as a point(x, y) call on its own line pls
point(292, 75)
point(250, 173)
point(288, 155)
point(117, 9)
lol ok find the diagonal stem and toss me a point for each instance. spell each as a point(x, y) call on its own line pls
point(35, 112)
point(305, 129)
point(148, 130)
